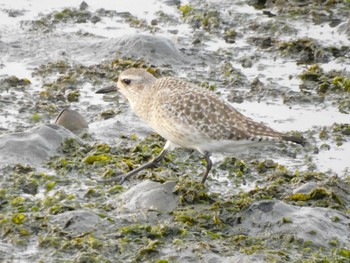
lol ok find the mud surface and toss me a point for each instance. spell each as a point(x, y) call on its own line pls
point(285, 64)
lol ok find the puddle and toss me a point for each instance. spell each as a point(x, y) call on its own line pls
point(17, 69)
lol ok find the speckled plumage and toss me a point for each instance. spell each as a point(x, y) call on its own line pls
point(192, 117)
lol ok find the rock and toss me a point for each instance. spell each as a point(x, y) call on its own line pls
point(32, 147)
point(153, 49)
point(305, 188)
point(149, 195)
point(77, 222)
point(110, 130)
point(240, 257)
point(71, 120)
point(277, 219)
point(344, 28)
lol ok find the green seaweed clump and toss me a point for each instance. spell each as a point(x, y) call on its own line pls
point(145, 240)
point(36, 117)
point(73, 96)
point(209, 20)
point(306, 51)
point(91, 159)
point(338, 133)
point(343, 128)
point(319, 197)
point(235, 168)
point(333, 81)
point(333, 85)
point(230, 35)
point(313, 73)
point(120, 64)
point(185, 9)
point(191, 191)
point(14, 82)
point(342, 83)
point(77, 16)
point(107, 114)
point(136, 22)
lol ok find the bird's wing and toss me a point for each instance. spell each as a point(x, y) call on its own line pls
point(209, 115)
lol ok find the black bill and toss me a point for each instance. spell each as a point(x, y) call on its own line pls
point(106, 90)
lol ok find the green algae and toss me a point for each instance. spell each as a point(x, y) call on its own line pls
point(36, 117)
point(47, 23)
point(14, 83)
point(207, 85)
point(230, 35)
point(136, 22)
point(50, 185)
point(318, 197)
point(315, 194)
point(145, 240)
point(332, 85)
point(107, 114)
point(286, 220)
point(149, 248)
point(185, 9)
point(341, 83)
point(306, 50)
point(313, 73)
point(192, 192)
point(103, 159)
point(266, 165)
point(313, 8)
point(234, 166)
point(327, 82)
point(208, 20)
point(337, 133)
point(73, 96)
point(92, 159)
point(18, 218)
point(74, 15)
point(341, 128)
point(149, 231)
point(344, 252)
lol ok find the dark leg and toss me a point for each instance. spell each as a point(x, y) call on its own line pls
point(209, 165)
point(123, 177)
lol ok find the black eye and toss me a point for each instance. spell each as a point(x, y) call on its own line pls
point(126, 81)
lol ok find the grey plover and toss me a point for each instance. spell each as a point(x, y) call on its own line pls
point(191, 117)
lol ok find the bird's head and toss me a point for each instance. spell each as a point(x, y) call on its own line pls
point(131, 83)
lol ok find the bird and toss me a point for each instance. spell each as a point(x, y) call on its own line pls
point(191, 117)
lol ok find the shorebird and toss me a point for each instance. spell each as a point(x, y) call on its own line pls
point(191, 117)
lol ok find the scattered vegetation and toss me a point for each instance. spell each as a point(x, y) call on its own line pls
point(333, 85)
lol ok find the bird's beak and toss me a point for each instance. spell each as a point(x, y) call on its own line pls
point(107, 90)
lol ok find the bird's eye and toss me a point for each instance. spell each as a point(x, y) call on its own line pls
point(126, 81)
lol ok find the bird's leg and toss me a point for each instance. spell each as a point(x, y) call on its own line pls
point(123, 177)
point(209, 165)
